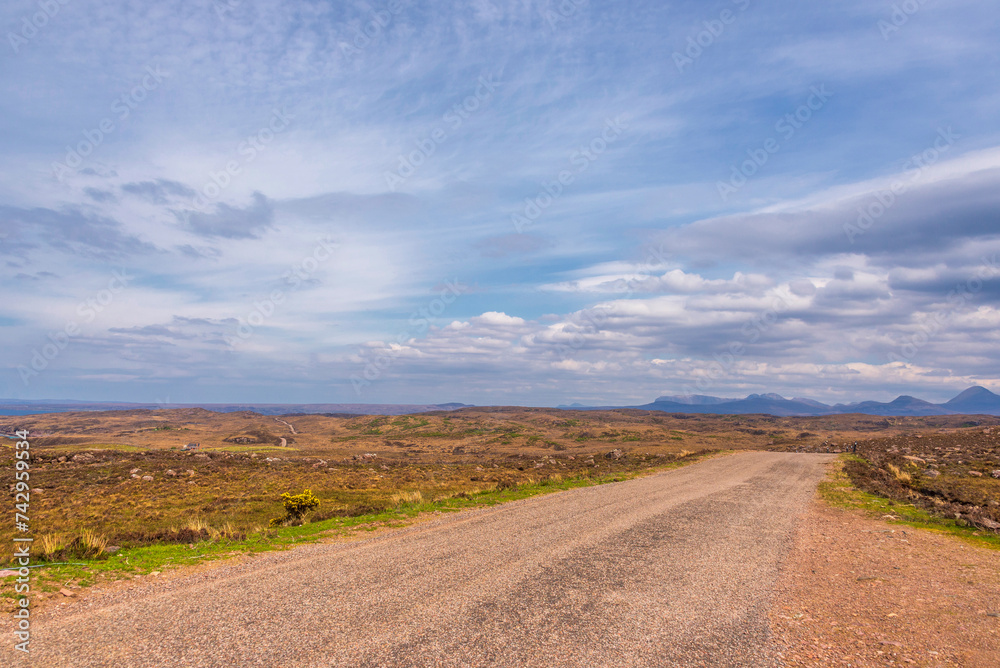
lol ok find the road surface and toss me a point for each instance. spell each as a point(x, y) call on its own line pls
point(675, 569)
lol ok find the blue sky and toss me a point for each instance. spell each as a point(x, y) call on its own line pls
point(498, 202)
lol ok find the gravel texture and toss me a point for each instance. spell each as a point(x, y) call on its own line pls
point(675, 569)
point(863, 593)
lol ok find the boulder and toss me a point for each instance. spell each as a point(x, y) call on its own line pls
point(615, 454)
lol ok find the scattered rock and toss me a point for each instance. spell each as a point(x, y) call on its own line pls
point(67, 593)
point(190, 472)
point(975, 474)
point(134, 471)
point(147, 478)
point(170, 472)
point(995, 474)
point(932, 473)
point(111, 549)
point(915, 460)
point(83, 458)
point(37, 490)
point(319, 463)
point(201, 455)
point(615, 454)
point(135, 475)
point(62, 459)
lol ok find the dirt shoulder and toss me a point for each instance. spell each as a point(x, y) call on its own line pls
point(864, 592)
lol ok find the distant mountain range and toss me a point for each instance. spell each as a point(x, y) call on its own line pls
point(973, 401)
point(27, 407)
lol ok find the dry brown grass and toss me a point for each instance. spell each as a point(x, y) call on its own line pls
point(899, 475)
point(401, 498)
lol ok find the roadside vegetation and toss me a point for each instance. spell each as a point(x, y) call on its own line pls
point(112, 524)
point(952, 475)
point(839, 490)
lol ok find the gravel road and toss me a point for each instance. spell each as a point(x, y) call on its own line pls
point(675, 569)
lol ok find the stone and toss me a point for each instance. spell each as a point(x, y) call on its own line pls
point(62, 459)
point(67, 593)
point(170, 472)
point(83, 458)
point(615, 454)
point(191, 473)
point(134, 471)
point(996, 474)
point(975, 474)
point(915, 460)
point(147, 478)
point(932, 473)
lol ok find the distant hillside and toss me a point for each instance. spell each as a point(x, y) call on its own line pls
point(973, 401)
point(771, 404)
point(23, 407)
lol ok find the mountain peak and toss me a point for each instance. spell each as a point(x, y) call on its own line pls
point(976, 399)
point(975, 391)
point(771, 395)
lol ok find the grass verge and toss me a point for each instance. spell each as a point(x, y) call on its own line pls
point(137, 562)
point(838, 490)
